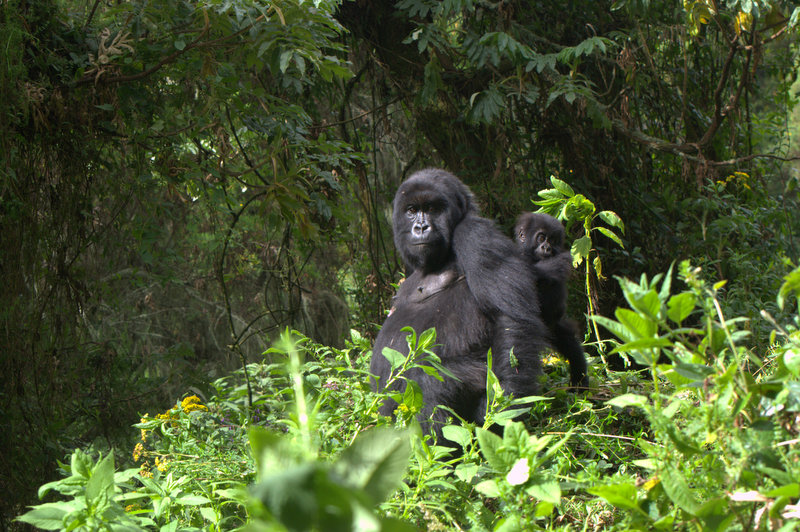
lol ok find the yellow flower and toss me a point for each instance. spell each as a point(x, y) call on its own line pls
point(138, 451)
point(193, 404)
point(161, 465)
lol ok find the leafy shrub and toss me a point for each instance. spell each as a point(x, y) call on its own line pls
point(704, 435)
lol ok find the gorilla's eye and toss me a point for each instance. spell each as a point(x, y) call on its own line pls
point(411, 210)
point(540, 237)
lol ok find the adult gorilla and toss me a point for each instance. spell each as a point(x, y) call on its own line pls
point(471, 283)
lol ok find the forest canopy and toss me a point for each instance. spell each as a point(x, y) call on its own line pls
point(181, 182)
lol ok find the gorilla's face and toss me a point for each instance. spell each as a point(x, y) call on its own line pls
point(427, 207)
point(540, 235)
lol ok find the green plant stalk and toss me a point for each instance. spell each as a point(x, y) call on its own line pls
point(295, 370)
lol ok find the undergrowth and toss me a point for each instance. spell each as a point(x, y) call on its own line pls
point(700, 433)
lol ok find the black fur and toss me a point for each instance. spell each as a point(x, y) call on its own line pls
point(472, 284)
point(542, 239)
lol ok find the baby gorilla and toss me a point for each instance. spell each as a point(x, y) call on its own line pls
point(542, 240)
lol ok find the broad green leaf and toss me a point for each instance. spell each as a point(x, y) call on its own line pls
point(192, 500)
point(790, 490)
point(551, 194)
point(376, 462)
point(490, 444)
point(694, 372)
point(611, 218)
point(466, 472)
point(791, 359)
point(458, 434)
point(680, 306)
point(791, 283)
point(427, 338)
point(619, 330)
point(619, 495)
point(509, 523)
point(638, 325)
point(488, 488)
point(396, 358)
point(581, 247)
point(102, 480)
point(628, 399)
point(412, 396)
point(647, 303)
point(47, 516)
point(548, 491)
point(562, 187)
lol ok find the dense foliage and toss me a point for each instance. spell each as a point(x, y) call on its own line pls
point(180, 182)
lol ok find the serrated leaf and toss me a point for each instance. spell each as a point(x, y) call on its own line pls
point(581, 247)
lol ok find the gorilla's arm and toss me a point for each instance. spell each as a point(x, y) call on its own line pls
point(504, 287)
point(497, 275)
point(555, 269)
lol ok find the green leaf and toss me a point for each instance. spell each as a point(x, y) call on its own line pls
point(412, 396)
point(548, 491)
point(102, 480)
point(396, 358)
point(192, 500)
point(376, 462)
point(791, 283)
point(610, 234)
point(619, 495)
point(458, 434)
point(611, 218)
point(488, 488)
point(581, 247)
point(791, 359)
point(510, 523)
point(628, 399)
point(562, 187)
point(694, 372)
point(680, 306)
point(550, 194)
point(490, 444)
point(638, 325)
point(466, 472)
point(642, 344)
point(678, 490)
point(47, 516)
point(619, 330)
